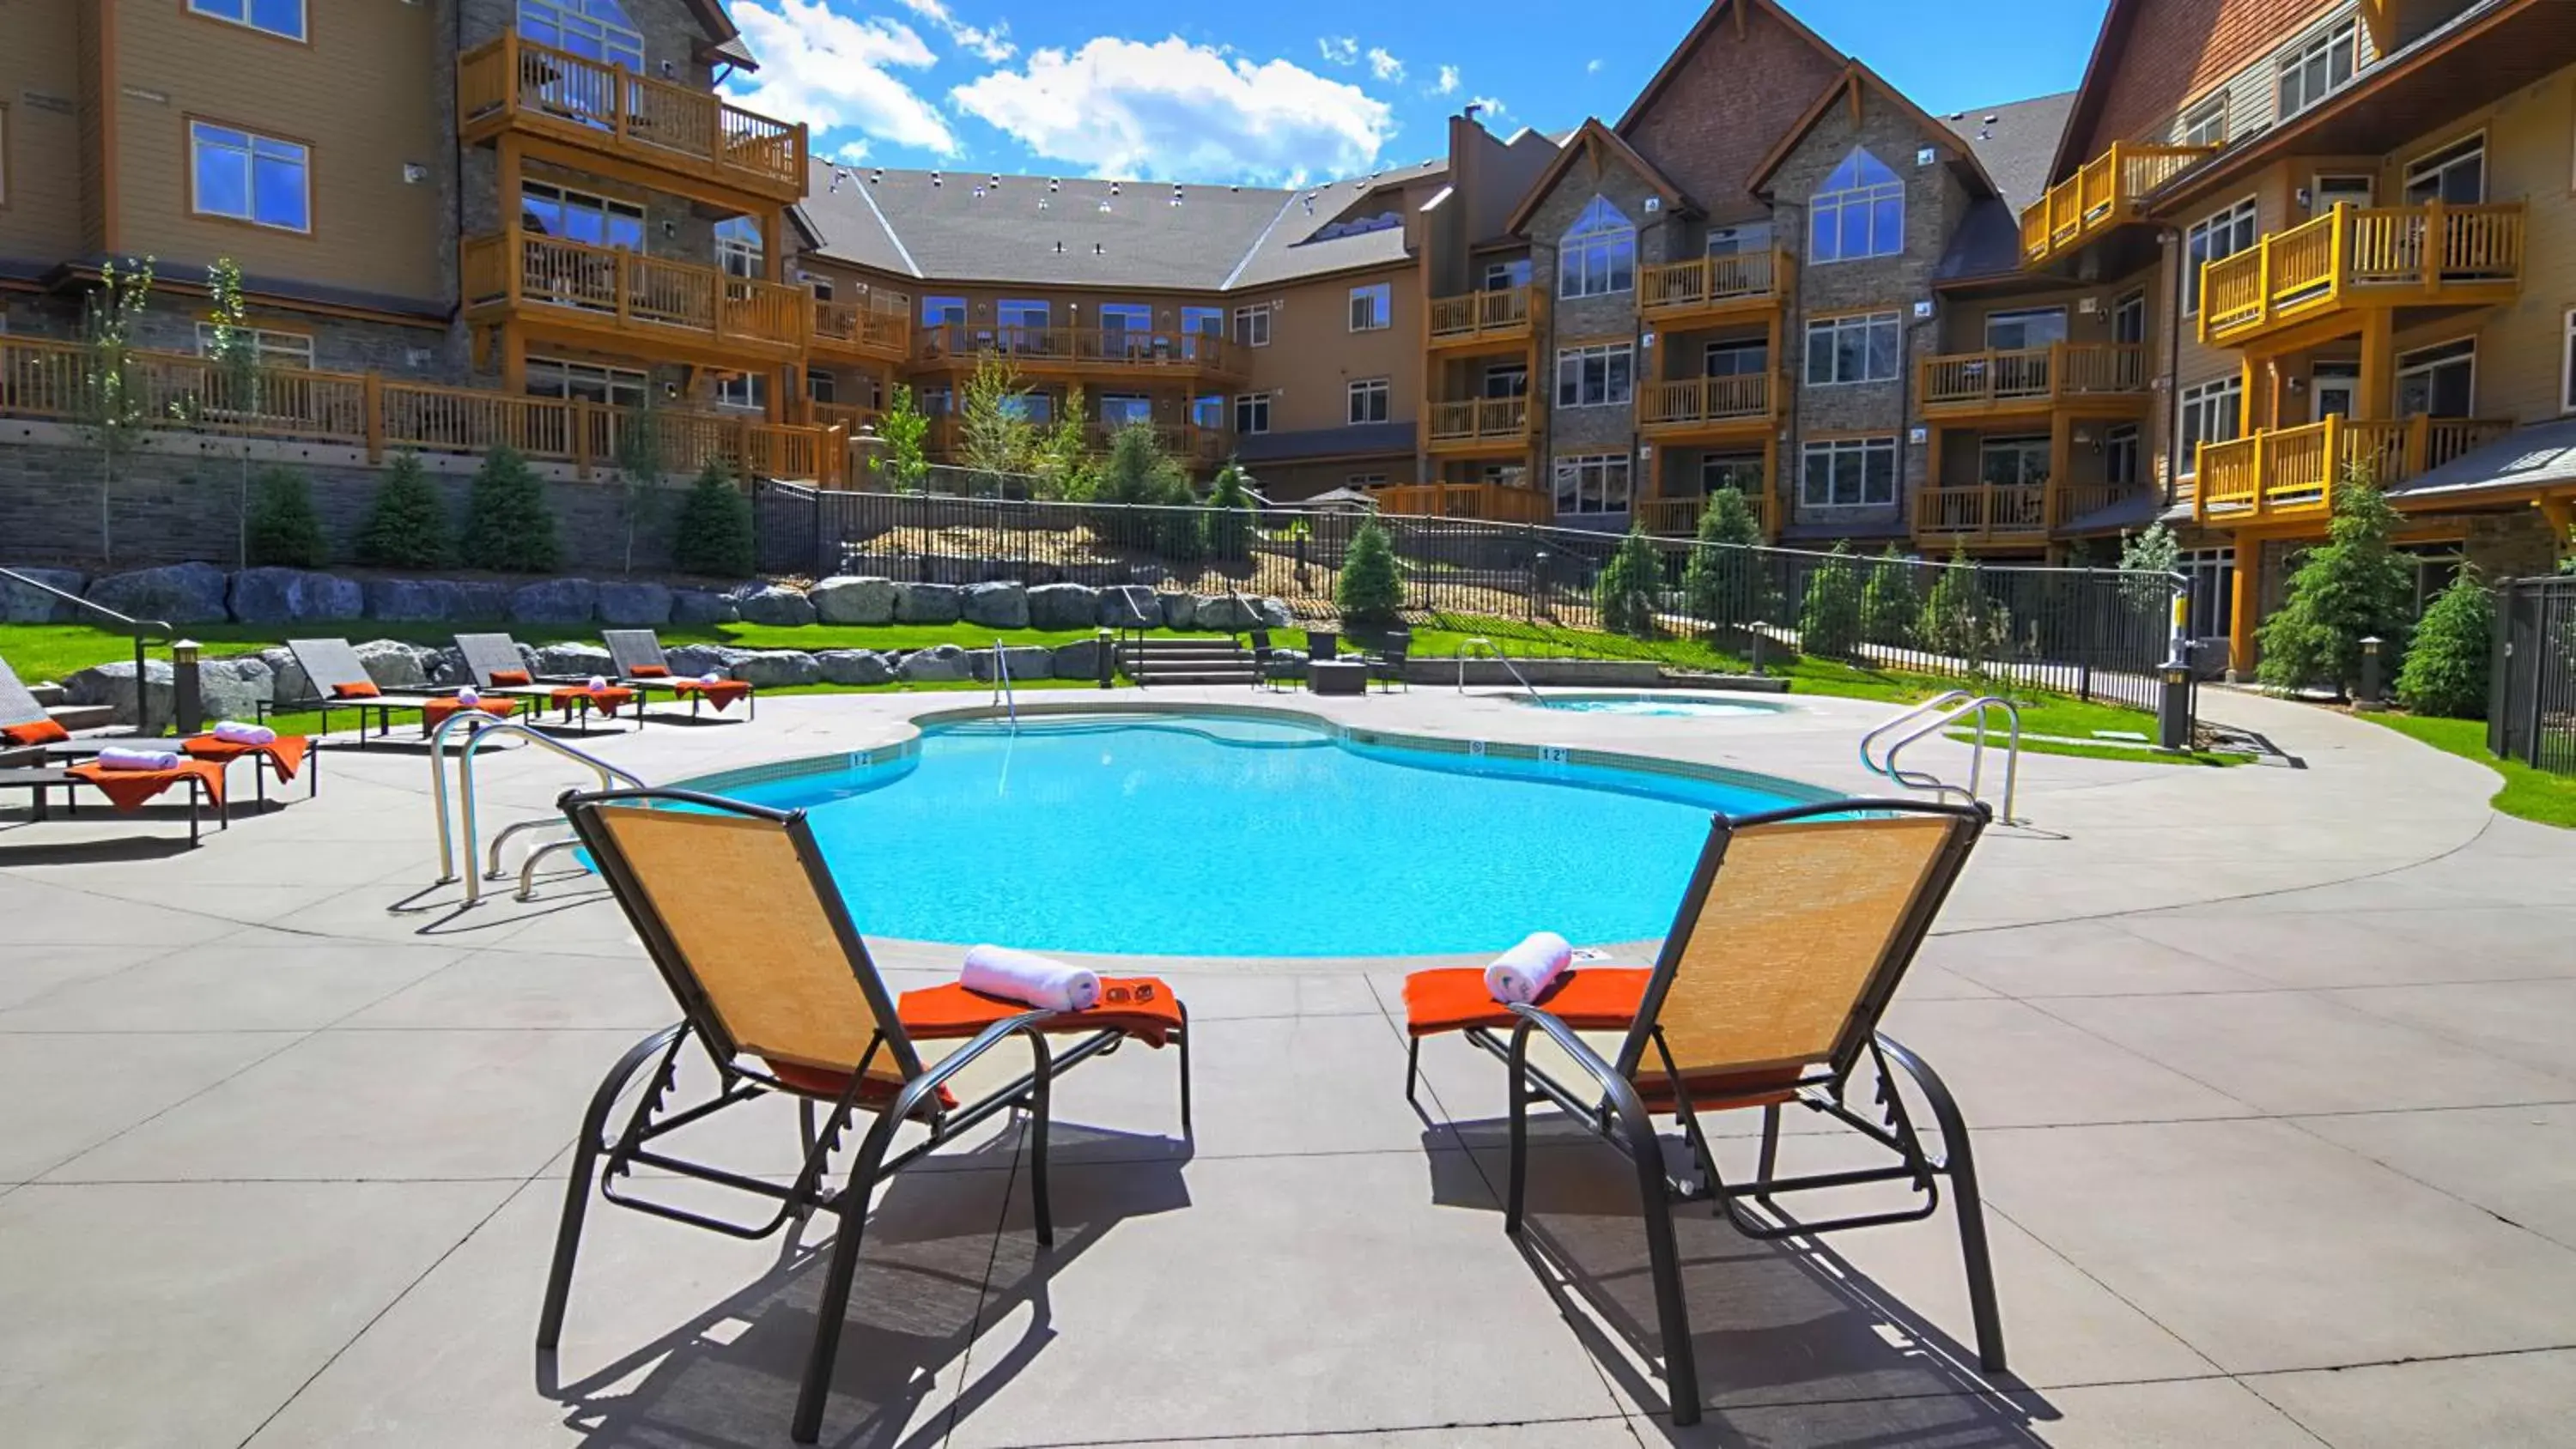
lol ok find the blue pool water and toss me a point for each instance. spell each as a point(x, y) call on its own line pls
point(1667, 706)
point(1217, 836)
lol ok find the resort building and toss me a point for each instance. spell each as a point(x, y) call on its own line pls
point(2266, 242)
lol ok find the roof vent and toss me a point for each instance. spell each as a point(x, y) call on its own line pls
point(934, 178)
point(1104, 208)
point(1052, 183)
point(1059, 249)
point(993, 180)
point(1113, 188)
point(1991, 119)
point(1044, 204)
point(979, 193)
point(876, 176)
point(1098, 250)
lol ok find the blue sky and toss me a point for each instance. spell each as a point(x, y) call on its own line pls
point(1313, 89)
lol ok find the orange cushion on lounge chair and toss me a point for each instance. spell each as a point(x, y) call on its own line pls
point(649, 671)
point(511, 678)
point(437, 711)
point(286, 751)
point(35, 732)
point(607, 699)
point(936, 1013)
point(721, 693)
point(127, 790)
point(355, 691)
point(1588, 998)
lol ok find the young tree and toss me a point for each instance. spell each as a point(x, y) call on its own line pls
point(282, 529)
point(1063, 460)
point(2446, 665)
point(713, 535)
point(508, 526)
point(1625, 593)
point(904, 460)
point(1229, 525)
point(1890, 604)
point(1369, 590)
point(1728, 579)
point(407, 525)
point(994, 435)
point(640, 464)
point(2150, 558)
point(1829, 622)
point(238, 382)
point(110, 402)
point(1957, 618)
point(2351, 587)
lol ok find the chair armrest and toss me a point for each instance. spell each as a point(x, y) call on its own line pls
point(1616, 1090)
point(909, 1100)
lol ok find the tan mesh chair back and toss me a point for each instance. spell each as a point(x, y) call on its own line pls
point(740, 913)
point(1802, 930)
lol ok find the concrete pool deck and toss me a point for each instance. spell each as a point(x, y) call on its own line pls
point(2270, 1068)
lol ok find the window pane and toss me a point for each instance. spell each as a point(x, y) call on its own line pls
point(1882, 350)
point(1851, 353)
point(1816, 486)
point(1622, 364)
point(278, 188)
point(1847, 475)
point(1888, 226)
point(1854, 242)
point(1568, 487)
point(1880, 479)
point(1821, 234)
point(1623, 265)
point(286, 17)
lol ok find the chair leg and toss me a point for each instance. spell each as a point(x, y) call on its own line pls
point(1189, 1132)
point(1412, 1066)
point(1663, 1258)
point(817, 1386)
point(1770, 1162)
point(1960, 1166)
point(1516, 1189)
point(577, 1190)
point(1039, 1116)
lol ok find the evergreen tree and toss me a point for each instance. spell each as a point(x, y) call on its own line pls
point(1229, 523)
point(2446, 665)
point(714, 535)
point(1829, 623)
point(407, 525)
point(1728, 578)
point(1369, 590)
point(509, 528)
point(1625, 592)
point(1137, 476)
point(903, 462)
point(2351, 587)
point(1889, 603)
point(283, 530)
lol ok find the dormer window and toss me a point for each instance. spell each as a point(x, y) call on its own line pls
point(1858, 213)
point(1598, 256)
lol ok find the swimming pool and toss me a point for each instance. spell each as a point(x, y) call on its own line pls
point(1669, 706)
point(1225, 834)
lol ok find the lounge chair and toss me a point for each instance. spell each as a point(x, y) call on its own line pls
point(637, 656)
point(340, 682)
point(282, 757)
point(1791, 940)
point(739, 911)
point(499, 669)
point(24, 724)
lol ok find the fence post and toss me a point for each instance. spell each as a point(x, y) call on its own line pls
point(2500, 671)
point(2084, 641)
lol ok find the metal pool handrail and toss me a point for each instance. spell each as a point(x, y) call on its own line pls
point(1002, 691)
point(1469, 646)
point(479, 728)
point(134, 626)
point(1981, 706)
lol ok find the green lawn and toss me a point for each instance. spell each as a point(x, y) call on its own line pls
point(2528, 794)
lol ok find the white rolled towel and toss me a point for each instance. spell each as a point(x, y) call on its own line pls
point(711, 677)
point(119, 759)
point(235, 732)
point(469, 696)
point(1025, 976)
point(596, 682)
point(1526, 971)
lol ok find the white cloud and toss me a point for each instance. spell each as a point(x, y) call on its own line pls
point(1384, 65)
point(829, 71)
point(1171, 108)
point(1592, 67)
point(992, 43)
point(1340, 49)
point(851, 153)
point(1487, 106)
point(1448, 84)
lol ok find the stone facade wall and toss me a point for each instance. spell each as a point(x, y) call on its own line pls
point(1571, 432)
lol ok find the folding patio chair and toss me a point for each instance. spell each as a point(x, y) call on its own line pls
point(499, 669)
point(740, 913)
point(636, 655)
point(339, 682)
point(1796, 929)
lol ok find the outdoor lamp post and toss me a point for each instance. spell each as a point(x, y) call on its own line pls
point(1107, 653)
point(2369, 698)
point(187, 704)
point(1761, 646)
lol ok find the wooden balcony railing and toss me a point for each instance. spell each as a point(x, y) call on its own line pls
point(869, 327)
point(1701, 401)
point(2077, 501)
point(1679, 517)
point(1713, 284)
point(2031, 377)
point(1192, 444)
point(2364, 257)
point(2291, 473)
point(1982, 512)
point(1499, 315)
point(636, 295)
point(848, 417)
point(1492, 502)
point(1107, 349)
point(44, 380)
point(2108, 190)
point(515, 82)
point(1479, 420)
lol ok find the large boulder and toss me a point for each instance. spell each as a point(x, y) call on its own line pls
point(113, 685)
point(777, 668)
point(854, 666)
point(998, 605)
point(426, 601)
point(1026, 661)
point(940, 663)
point(690, 661)
point(481, 601)
point(1275, 615)
point(555, 601)
point(281, 596)
point(447, 666)
point(583, 660)
point(1130, 606)
point(187, 593)
point(773, 604)
point(1064, 606)
point(287, 680)
point(1222, 611)
point(843, 599)
point(1180, 611)
point(234, 688)
point(926, 603)
point(699, 607)
point(394, 665)
point(22, 605)
point(634, 605)
point(1077, 660)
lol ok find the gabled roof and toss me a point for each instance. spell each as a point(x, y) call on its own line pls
point(2087, 110)
point(2016, 142)
point(724, 38)
point(1594, 140)
point(1855, 78)
point(1673, 63)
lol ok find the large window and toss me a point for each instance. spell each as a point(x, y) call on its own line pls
point(746, 392)
point(1739, 471)
point(1735, 359)
point(1858, 213)
point(2319, 68)
point(1592, 483)
point(268, 349)
point(2213, 412)
point(1126, 329)
point(1198, 322)
point(2024, 330)
point(1503, 276)
point(1252, 413)
point(1852, 349)
point(2013, 462)
point(1600, 376)
point(1511, 379)
point(943, 311)
point(598, 29)
point(2567, 367)
point(1252, 326)
point(1598, 254)
point(2456, 174)
point(738, 248)
point(618, 387)
point(579, 216)
point(1028, 315)
point(1208, 412)
point(2439, 382)
point(277, 17)
point(1373, 307)
point(819, 387)
point(248, 177)
point(1370, 400)
point(2214, 238)
point(2212, 590)
point(1118, 409)
point(2122, 454)
point(2206, 124)
point(1849, 473)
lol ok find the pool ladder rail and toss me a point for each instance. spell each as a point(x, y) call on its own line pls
point(479, 728)
point(1002, 692)
point(1468, 649)
point(1935, 716)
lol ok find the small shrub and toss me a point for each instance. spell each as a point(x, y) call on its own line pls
point(508, 526)
point(2446, 666)
point(1369, 590)
point(1890, 604)
point(1728, 578)
point(714, 533)
point(1829, 624)
point(1229, 528)
point(2349, 588)
point(1958, 619)
point(407, 524)
point(283, 530)
point(1625, 592)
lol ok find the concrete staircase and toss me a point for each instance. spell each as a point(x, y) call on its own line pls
point(73, 717)
point(1157, 662)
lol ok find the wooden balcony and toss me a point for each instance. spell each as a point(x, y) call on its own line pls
point(2031, 380)
point(2108, 191)
point(1108, 352)
point(848, 417)
point(1479, 425)
point(1982, 513)
point(693, 142)
point(1481, 319)
point(631, 303)
point(1741, 406)
point(2356, 258)
point(1708, 289)
point(878, 329)
point(2078, 501)
point(1492, 502)
point(2289, 475)
point(1679, 517)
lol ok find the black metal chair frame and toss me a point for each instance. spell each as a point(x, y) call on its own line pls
point(644, 687)
point(1265, 659)
point(1613, 1110)
point(38, 781)
point(608, 1158)
point(1386, 663)
point(324, 702)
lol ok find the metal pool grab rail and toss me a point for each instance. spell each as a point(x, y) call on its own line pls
point(1002, 692)
point(478, 728)
point(1468, 648)
point(1935, 715)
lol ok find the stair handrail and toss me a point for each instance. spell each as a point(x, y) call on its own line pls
point(169, 635)
point(1936, 703)
point(1002, 692)
point(1981, 707)
point(478, 728)
point(1468, 647)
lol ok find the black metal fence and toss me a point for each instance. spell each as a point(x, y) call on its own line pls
point(2092, 633)
point(2531, 712)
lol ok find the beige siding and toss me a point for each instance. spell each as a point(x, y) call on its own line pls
point(41, 86)
point(91, 45)
point(1313, 355)
point(2254, 93)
